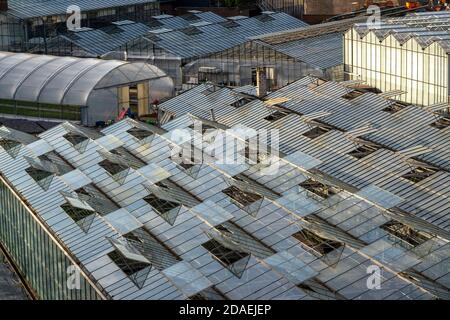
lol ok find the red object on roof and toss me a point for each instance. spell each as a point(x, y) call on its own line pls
point(122, 114)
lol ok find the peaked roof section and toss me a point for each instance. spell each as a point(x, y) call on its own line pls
point(311, 104)
point(182, 36)
point(106, 39)
point(309, 31)
point(322, 51)
point(31, 8)
point(424, 27)
point(193, 234)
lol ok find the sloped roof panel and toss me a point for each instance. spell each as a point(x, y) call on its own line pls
point(209, 37)
point(79, 90)
point(340, 217)
point(425, 27)
point(31, 87)
point(16, 75)
point(31, 8)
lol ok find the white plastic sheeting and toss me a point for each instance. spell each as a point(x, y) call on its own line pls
point(70, 81)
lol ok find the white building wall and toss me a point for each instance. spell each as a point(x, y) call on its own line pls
point(390, 65)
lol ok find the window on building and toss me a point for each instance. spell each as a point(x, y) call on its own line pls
point(111, 167)
point(238, 235)
point(160, 205)
point(152, 37)
point(241, 102)
point(405, 233)
point(393, 108)
point(363, 151)
point(442, 123)
point(185, 165)
point(261, 188)
point(418, 174)
point(75, 213)
point(10, 146)
point(61, 165)
point(191, 31)
point(112, 29)
point(244, 198)
point(154, 23)
point(277, 115)
point(270, 74)
point(352, 95)
point(187, 159)
point(189, 199)
point(321, 245)
point(210, 293)
point(229, 24)
point(40, 176)
point(191, 17)
point(133, 161)
point(168, 196)
point(319, 290)
point(128, 266)
point(140, 134)
point(97, 199)
point(316, 132)
point(164, 207)
point(265, 18)
point(118, 161)
point(43, 168)
point(251, 154)
point(75, 138)
point(210, 89)
point(160, 256)
point(322, 190)
point(203, 126)
point(225, 255)
point(222, 228)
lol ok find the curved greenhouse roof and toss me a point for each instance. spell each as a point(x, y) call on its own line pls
point(66, 80)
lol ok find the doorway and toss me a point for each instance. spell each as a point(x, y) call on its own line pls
point(136, 98)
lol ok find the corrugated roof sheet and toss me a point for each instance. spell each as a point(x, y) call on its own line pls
point(310, 31)
point(396, 131)
point(278, 263)
point(31, 8)
point(185, 41)
point(103, 40)
point(321, 51)
point(425, 27)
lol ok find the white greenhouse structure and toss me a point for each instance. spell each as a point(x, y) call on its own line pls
point(82, 90)
point(408, 55)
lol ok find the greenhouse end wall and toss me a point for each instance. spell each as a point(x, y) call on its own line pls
point(40, 260)
point(422, 73)
point(21, 35)
point(236, 67)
